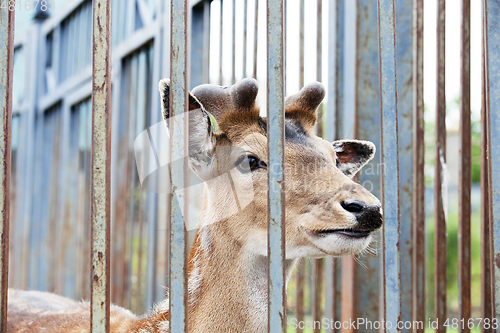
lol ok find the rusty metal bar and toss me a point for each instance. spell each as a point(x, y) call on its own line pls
point(6, 73)
point(339, 68)
point(245, 22)
point(404, 48)
point(101, 158)
point(418, 282)
point(439, 178)
point(486, 311)
point(233, 61)
point(178, 130)
point(492, 64)
point(318, 272)
point(255, 39)
point(300, 298)
point(390, 170)
point(276, 145)
point(301, 44)
point(333, 129)
point(465, 176)
point(361, 92)
point(319, 62)
point(221, 37)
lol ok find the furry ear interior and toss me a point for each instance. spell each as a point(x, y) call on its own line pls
point(302, 106)
point(201, 138)
point(352, 155)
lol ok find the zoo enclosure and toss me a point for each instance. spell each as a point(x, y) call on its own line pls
point(51, 137)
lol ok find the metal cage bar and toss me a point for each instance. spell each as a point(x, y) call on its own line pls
point(465, 176)
point(6, 75)
point(418, 282)
point(100, 176)
point(389, 139)
point(300, 280)
point(492, 63)
point(276, 158)
point(439, 176)
point(486, 303)
point(178, 131)
point(404, 49)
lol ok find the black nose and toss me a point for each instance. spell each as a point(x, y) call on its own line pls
point(369, 217)
point(354, 207)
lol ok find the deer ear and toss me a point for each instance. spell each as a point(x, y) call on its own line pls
point(352, 155)
point(201, 137)
point(302, 106)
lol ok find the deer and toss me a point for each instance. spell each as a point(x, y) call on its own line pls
point(326, 214)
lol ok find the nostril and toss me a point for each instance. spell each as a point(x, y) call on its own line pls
point(354, 206)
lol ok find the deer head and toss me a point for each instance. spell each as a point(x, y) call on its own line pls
point(327, 213)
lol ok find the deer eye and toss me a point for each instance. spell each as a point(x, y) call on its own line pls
point(249, 163)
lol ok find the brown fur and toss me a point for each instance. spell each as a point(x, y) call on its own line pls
point(227, 268)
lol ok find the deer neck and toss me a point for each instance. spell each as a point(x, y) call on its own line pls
point(227, 283)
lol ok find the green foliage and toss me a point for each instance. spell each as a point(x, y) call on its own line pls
point(430, 150)
point(452, 263)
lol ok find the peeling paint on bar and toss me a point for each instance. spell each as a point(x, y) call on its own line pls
point(492, 40)
point(276, 196)
point(404, 49)
point(178, 130)
point(100, 177)
point(6, 73)
point(390, 195)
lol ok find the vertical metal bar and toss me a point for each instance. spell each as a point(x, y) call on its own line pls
point(439, 180)
point(333, 117)
point(418, 166)
point(300, 299)
point(339, 68)
point(390, 170)
point(318, 277)
point(6, 73)
point(465, 175)
point(221, 38)
point(100, 179)
point(178, 129)
point(319, 61)
point(404, 49)
point(233, 61)
point(361, 92)
point(492, 47)
point(245, 22)
point(301, 44)
point(486, 304)
point(337, 26)
point(206, 42)
point(276, 140)
point(255, 39)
